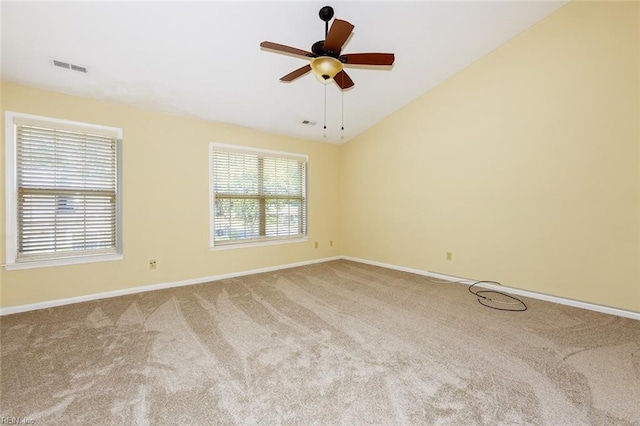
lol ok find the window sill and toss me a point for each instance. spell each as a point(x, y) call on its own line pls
point(62, 261)
point(258, 244)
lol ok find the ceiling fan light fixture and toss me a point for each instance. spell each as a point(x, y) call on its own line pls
point(327, 59)
point(325, 68)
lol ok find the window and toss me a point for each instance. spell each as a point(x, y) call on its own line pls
point(62, 192)
point(257, 196)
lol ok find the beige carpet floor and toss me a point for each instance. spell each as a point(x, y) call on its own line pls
point(326, 344)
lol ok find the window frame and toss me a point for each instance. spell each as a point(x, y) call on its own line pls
point(11, 193)
point(244, 243)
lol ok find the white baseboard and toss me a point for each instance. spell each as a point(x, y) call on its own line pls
point(533, 295)
point(387, 265)
point(132, 290)
point(516, 291)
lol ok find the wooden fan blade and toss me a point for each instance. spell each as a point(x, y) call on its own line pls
point(281, 48)
point(368, 58)
point(297, 73)
point(343, 80)
point(338, 34)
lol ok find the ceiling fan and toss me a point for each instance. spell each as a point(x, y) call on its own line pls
point(326, 59)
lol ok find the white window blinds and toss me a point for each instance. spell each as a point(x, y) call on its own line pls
point(257, 195)
point(66, 183)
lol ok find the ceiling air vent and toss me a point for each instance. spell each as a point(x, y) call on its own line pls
point(61, 64)
point(78, 68)
point(68, 66)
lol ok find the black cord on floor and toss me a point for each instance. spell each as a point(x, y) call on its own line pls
point(483, 298)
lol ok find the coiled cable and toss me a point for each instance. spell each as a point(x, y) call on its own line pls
point(484, 299)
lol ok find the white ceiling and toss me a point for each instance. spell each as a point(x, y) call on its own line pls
point(202, 59)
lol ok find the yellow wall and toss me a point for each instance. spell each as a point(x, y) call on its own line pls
point(3, 234)
point(166, 202)
point(525, 165)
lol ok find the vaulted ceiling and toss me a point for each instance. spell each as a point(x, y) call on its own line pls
point(202, 59)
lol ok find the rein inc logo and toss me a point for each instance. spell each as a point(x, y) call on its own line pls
point(9, 420)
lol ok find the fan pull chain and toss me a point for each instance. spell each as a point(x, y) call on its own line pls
point(342, 94)
point(325, 112)
point(342, 127)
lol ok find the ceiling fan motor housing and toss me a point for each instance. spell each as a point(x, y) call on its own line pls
point(318, 49)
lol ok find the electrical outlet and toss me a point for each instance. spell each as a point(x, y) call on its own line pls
point(449, 255)
point(330, 243)
point(153, 264)
point(316, 245)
